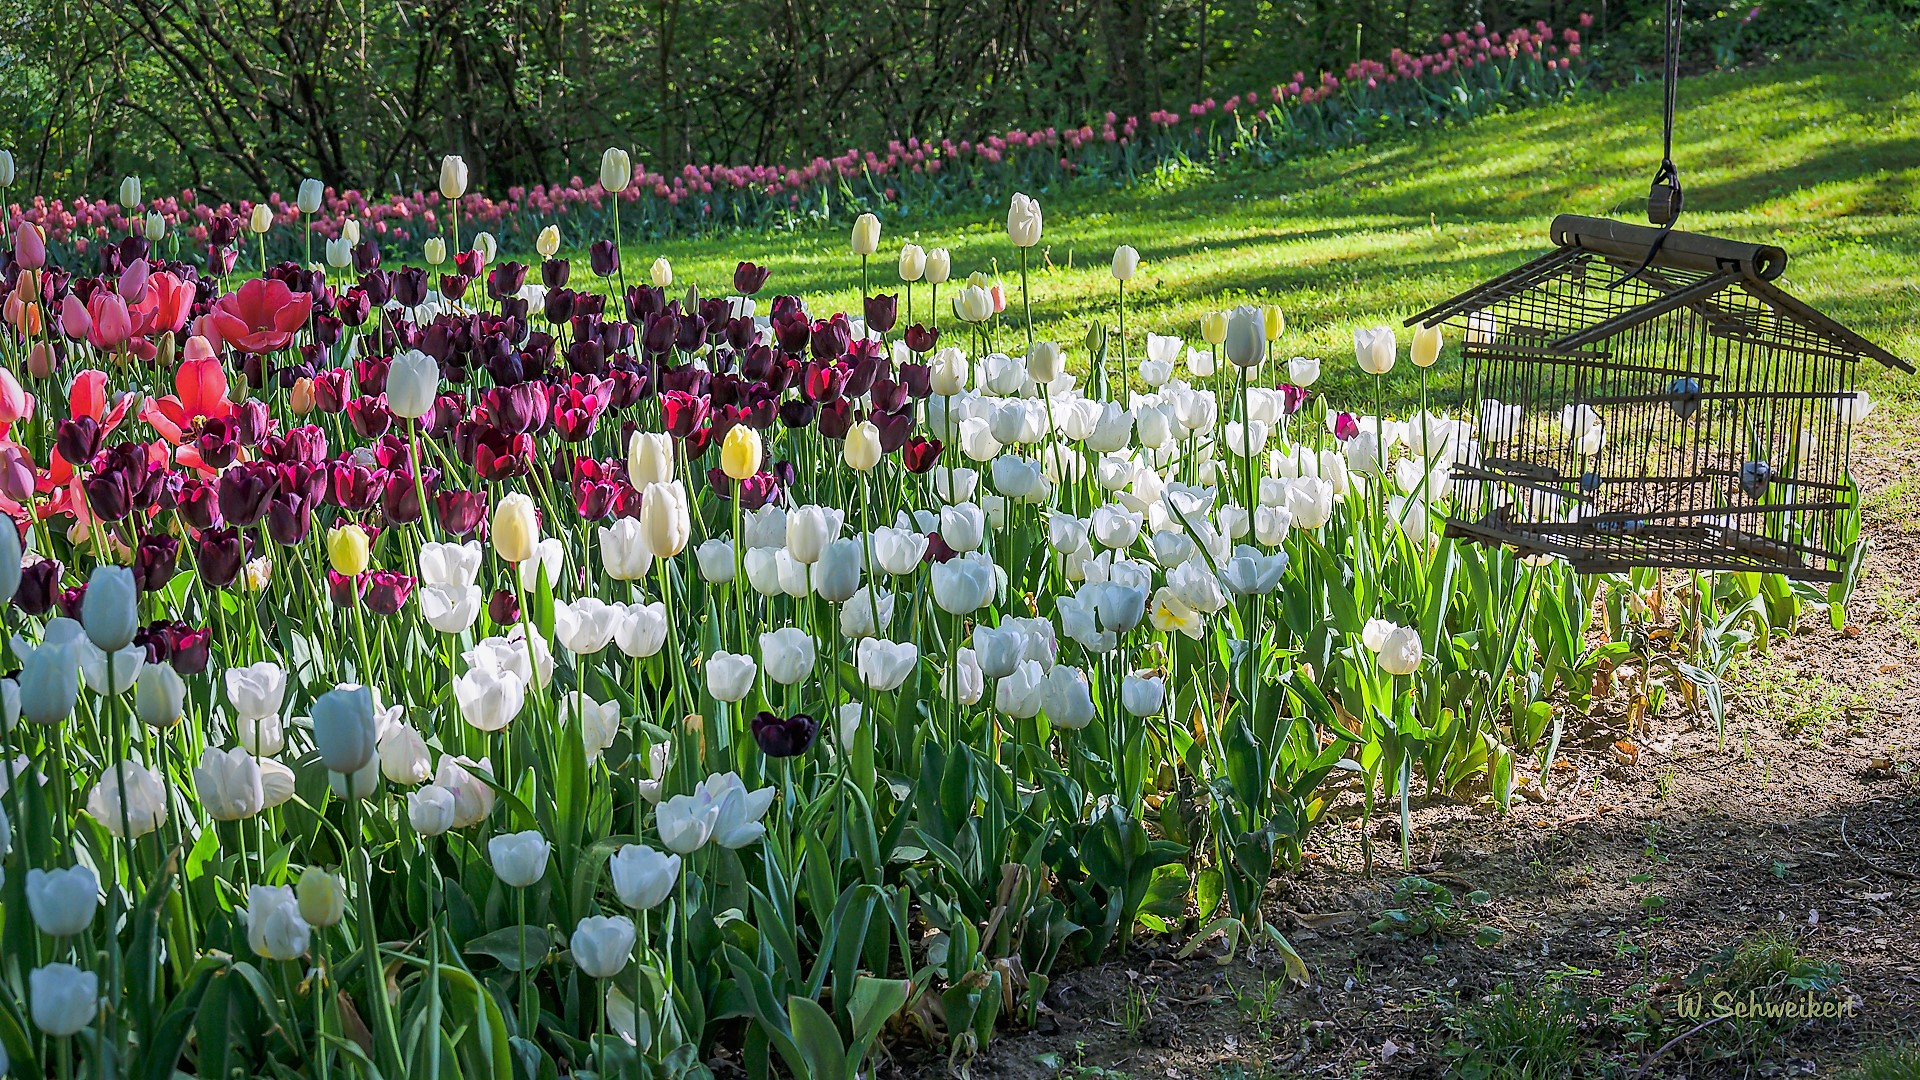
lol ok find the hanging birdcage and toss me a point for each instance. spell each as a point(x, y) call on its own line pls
point(1649, 397)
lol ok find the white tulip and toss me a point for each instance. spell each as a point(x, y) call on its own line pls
point(63, 901)
point(730, 675)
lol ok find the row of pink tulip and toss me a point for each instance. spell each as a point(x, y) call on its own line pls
point(402, 217)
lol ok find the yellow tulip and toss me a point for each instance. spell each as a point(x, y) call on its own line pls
point(1213, 327)
point(347, 550)
point(740, 452)
point(516, 528)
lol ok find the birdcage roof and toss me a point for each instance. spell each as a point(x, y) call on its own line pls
point(1685, 270)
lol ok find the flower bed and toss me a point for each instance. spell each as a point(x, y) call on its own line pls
point(505, 672)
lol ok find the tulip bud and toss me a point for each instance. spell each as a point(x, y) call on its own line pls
point(1275, 321)
point(649, 459)
point(413, 378)
point(6, 168)
point(602, 945)
point(1426, 346)
point(740, 452)
point(63, 902)
point(913, 262)
point(519, 859)
point(616, 170)
point(323, 897)
point(866, 234)
point(159, 696)
point(1043, 362)
point(862, 450)
point(130, 192)
point(516, 528)
point(939, 266)
point(485, 246)
point(339, 253)
point(453, 177)
point(347, 553)
point(10, 563)
point(300, 397)
point(344, 727)
point(350, 232)
point(261, 220)
point(430, 810)
point(661, 273)
point(156, 226)
point(1213, 327)
point(548, 243)
point(63, 998)
point(309, 196)
point(1246, 336)
point(1125, 262)
point(109, 612)
point(665, 519)
point(436, 251)
point(1023, 221)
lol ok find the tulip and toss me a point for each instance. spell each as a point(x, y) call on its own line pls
point(1067, 698)
point(810, 528)
point(1023, 221)
point(899, 551)
point(865, 612)
point(665, 519)
point(260, 221)
point(836, 576)
point(730, 675)
point(472, 799)
point(1426, 346)
point(649, 459)
point(430, 810)
point(1853, 408)
point(404, 758)
point(489, 700)
point(884, 665)
point(453, 177)
point(159, 696)
point(275, 929)
point(110, 611)
point(322, 897)
point(130, 192)
point(963, 585)
point(63, 901)
point(155, 227)
point(939, 266)
point(548, 242)
point(256, 691)
point(345, 728)
point(913, 263)
point(861, 450)
point(623, 551)
point(64, 999)
point(6, 180)
point(602, 945)
point(145, 806)
point(308, 198)
point(519, 859)
point(50, 673)
point(866, 235)
point(787, 655)
point(1125, 261)
point(642, 877)
point(1303, 371)
point(413, 380)
point(516, 528)
point(973, 304)
point(1246, 340)
point(348, 550)
point(1397, 647)
point(435, 251)
point(339, 253)
point(1374, 348)
point(740, 452)
point(616, 171)
point(643, 630)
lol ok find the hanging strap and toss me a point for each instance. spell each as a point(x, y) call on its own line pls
point(1664, 198)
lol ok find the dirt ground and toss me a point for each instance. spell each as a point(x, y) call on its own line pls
point(1622, 885)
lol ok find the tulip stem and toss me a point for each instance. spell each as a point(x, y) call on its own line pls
point(1025, 302)
point(528, 1023)
point(388, 1046)
point(1123, 342)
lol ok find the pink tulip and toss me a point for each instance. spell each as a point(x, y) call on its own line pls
point(112, 323)
point(29, 246)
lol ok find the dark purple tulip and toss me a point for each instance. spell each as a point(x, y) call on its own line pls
point(387, 591)
point(784, 737)
point(366, 256)
point(108, 494)
point(219, 555)
point(604, 258)
point(882, 312)
point(289, 518)
point(244, 491)
point(344, 590)
point(749, 279)
point(198, 503)
point(191, 648)
point(356, 486)
point(553, 272)
point(39, 585)
point(797, 413)
point(78, 439)
point(503, 608)
point(460, 512)
point(506, 279)
point(830, 337)
point(155, 561)
point(920, 339)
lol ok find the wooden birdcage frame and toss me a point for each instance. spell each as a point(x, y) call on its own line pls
point(1721, 403)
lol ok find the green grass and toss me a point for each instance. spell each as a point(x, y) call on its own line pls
point(1823, 158)
point(1887, 1063)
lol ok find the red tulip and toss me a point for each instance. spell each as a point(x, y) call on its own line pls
point(260, 316)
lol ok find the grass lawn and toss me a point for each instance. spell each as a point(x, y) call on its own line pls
point(1822, 158)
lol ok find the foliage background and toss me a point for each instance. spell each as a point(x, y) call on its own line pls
point(238, 98)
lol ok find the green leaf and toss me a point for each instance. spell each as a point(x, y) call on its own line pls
point(818, 1039)
point(510, 944)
